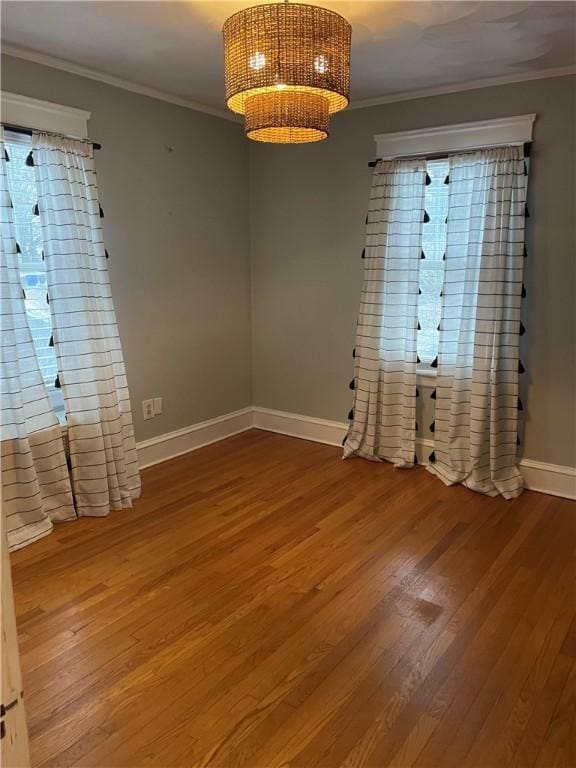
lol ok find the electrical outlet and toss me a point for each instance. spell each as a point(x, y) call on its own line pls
point(157, 406)
point(148, 409)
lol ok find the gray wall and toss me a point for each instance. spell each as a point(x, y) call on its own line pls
point(308, 206)
point(177, 229)
point(206, 245)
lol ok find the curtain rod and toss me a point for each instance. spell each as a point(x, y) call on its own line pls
point(29, 132)
point(446, 155)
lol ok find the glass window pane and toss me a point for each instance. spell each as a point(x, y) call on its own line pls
point(22, 184)
point(432, 267)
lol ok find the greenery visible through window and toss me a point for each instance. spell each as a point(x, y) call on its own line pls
point(432, 267)
point(22, 185)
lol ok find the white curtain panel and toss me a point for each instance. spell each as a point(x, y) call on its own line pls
point(383, 418)
point(475, 428)
point(35, 483)
point(91, 369)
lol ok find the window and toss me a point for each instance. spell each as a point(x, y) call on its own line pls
point(445, 139)
point(22, 185)
point(432, 267)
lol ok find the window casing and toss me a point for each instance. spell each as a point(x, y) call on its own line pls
point(39, 115)
point(444, 140)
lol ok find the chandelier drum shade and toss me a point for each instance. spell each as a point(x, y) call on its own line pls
point(287, 69)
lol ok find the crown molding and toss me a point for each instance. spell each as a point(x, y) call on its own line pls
point(143, 90)
point(470, 85)
point(126, 85)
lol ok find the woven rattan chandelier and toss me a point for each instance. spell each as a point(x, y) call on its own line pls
point(287, 69)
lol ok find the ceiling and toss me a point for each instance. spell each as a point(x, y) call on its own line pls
point(398, 47)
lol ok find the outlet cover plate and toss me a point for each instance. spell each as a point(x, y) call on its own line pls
point(147, 409)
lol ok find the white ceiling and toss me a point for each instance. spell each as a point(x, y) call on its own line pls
point(398, 47)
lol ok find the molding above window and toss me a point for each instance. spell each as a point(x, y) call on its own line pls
point(455, 138)
point(39, 115)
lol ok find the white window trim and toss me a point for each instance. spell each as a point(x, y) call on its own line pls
point(455, 138)
point(426, 378)
point(38, 115)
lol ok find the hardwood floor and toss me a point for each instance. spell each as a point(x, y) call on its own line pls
point(267, 604)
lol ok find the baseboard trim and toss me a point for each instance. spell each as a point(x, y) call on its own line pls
point(553, 479)
point(181, 441)
point(296, 425)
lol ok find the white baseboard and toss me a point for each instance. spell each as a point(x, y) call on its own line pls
point(296, 425)
point(552, 479)
point(172, 444)
point(317, 430)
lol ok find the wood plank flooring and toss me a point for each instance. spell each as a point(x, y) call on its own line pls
point(267, 604)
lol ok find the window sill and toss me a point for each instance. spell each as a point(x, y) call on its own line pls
point(426, 378)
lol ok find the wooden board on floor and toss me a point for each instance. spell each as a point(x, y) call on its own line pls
point(267, 604)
